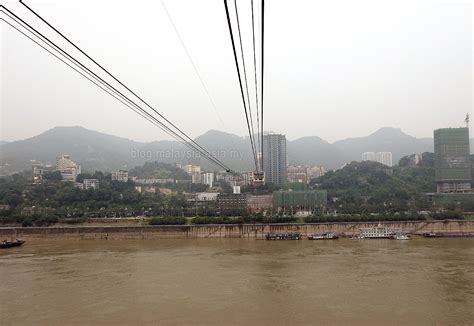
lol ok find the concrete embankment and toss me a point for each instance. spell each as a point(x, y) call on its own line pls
point(223, 231)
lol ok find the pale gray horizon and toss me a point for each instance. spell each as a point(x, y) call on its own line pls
point(336, 70)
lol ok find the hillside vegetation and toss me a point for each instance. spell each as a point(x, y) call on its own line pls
point(362, 187)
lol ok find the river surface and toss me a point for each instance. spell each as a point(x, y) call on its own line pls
point(234, 281)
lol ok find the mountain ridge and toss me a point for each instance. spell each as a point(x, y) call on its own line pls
point(96, 150)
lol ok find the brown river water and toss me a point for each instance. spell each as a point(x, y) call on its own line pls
point(235, 281)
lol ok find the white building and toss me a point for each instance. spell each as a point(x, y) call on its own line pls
point(191, 169)
point(206, 196)
point(196, 177)
point(208, 178)
point(194, 171)
point(91, 184)
point(236, 189)
point(120, 175)
point(381, 157)
point(385, 158)
point(68, 168)
point(368, 156)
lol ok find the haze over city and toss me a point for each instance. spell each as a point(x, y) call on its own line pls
point(334, 69)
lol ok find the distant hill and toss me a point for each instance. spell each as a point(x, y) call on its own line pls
point(384, 140)
point(92, 149)
point(99, 151)
point(315, 151)
point(231, 149)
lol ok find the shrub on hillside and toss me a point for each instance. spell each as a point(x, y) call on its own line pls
point(447, 215)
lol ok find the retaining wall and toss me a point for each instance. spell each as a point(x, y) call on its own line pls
point(223, 231)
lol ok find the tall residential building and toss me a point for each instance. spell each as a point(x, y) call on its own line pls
point(368, 156)
point(196, 177)
point(120, 175)
point(385, 158)
point(275, 158)
point(194, 171)
point(381, 157)
point(452, 160)
point(68, 168)
point(208, 178)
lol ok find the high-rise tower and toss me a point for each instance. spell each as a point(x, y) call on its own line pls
point(275, 158)
point(452, 160)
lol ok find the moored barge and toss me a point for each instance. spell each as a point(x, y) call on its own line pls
point(283, 236)
point(323, 236)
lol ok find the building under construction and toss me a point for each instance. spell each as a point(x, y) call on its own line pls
point(452, 160)
point(300, 199)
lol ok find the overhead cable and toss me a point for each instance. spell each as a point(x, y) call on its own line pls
point(240, 81)
point(88, 71)
point(116, 79)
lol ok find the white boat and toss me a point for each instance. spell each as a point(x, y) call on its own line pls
point(323, 236)
point(401, 236)
point(379, 232)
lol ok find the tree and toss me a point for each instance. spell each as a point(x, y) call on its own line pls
point(52, 176)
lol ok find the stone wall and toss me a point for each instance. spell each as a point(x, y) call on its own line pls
point(223, 231)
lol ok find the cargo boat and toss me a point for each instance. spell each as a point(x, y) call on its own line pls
point(323, 236)
point(284, 236)
point(448, 235)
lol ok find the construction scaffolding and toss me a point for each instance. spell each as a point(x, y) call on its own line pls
point(452, 160)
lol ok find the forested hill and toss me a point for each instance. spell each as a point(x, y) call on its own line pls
point(371, 186)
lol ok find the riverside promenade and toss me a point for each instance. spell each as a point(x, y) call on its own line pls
point(256, 231)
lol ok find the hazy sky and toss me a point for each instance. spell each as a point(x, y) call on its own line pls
point(334, 69)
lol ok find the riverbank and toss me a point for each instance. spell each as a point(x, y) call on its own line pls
point(257, 231)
